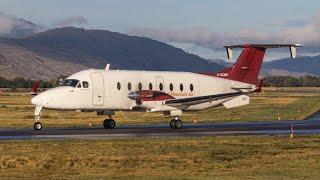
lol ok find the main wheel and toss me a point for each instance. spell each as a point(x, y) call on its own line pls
point(111, 124)
point(37, 126)
point(178, 124)
point(172, 123)
point(105, 122)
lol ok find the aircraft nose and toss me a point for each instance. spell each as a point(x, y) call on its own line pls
point(37, 100)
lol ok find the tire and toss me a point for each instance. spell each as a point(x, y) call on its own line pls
point(37, 126)
point(105, 122)
point(178, 124)
point(172, 123)
point(111, 124)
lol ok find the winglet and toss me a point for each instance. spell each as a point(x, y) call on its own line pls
point(107, 67)
point(229, 52)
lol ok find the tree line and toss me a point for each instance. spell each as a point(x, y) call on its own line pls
point(20, 82)
point(289, 81)
point(271, 81)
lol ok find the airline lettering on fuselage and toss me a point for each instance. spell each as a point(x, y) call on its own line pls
point(181, 93)
point(222, 74)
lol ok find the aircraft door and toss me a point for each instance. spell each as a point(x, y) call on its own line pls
point(97, 88)
point(159, 83)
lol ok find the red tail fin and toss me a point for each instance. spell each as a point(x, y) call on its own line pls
point(247, 67)
point(35, 88)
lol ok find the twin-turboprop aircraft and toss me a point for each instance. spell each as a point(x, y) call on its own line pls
point(107, 91)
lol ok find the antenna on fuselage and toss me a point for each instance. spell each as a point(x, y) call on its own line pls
point(107, 67)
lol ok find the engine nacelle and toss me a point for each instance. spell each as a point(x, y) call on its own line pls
point(238, 101)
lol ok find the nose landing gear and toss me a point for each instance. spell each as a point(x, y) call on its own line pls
point(37, 113)
point(176, 123)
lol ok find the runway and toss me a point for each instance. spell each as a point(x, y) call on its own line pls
point(309, 126)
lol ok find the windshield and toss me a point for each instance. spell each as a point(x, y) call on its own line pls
point(70, 82)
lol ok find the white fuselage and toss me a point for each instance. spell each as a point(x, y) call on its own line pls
point(108, 90)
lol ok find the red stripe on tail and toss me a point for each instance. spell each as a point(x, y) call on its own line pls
point(247, 67)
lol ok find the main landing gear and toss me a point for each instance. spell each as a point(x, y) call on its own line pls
point(37, 113)
point(109, 123)
point(176, 123)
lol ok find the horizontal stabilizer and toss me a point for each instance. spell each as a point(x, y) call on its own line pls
point(238, 101)
point(293, 51)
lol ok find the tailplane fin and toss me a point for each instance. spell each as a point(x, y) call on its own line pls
point(35, 86)
point(247, 67)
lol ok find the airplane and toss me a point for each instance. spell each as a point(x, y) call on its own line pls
point(105, 91)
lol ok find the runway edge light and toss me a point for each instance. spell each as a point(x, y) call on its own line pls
point(292, 131)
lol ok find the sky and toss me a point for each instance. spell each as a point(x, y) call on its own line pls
point(198, 26)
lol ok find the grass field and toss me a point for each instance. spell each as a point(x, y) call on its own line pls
point(163, 158)
point(231, 157)
point(16, 111)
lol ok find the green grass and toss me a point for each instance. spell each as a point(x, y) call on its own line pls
point(232, 157)
point(16, 111)
point(164, 158)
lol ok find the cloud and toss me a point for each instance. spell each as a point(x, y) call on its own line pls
point(200, 36)
point(293, 22)
point(11, 26)
point(71, 21)
point(6, 23)
point(307, 33)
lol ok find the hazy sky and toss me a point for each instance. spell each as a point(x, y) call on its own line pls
point(200, 21)
point(119, 15)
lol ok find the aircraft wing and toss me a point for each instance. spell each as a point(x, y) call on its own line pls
point(200, 99)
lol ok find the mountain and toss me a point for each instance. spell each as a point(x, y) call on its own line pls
point(303, 65)
point(18, 61)
point(27, 50)
point(80, 48)
point(220, 62)
point(15, 27)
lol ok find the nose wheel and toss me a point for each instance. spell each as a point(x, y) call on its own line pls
point(37, 126)
point(176, 123)
point(109, 124)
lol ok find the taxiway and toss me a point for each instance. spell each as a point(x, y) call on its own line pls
point(309, 126)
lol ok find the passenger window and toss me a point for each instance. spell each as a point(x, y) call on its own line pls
point(140, 86)
point(161, 86)
point(181, 87)
point(85, 84)
point(129, 86)
point(171, 87)
point(191, 87)
point(118, 86)
point(150, 86)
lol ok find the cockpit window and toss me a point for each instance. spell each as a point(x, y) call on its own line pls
point(70, 82)
point(85, 84)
